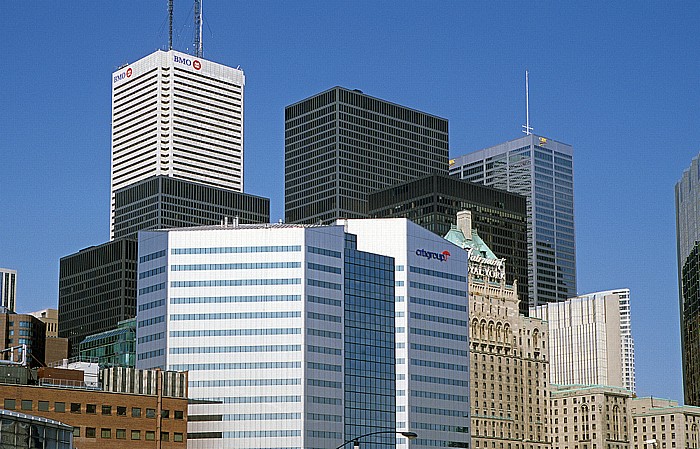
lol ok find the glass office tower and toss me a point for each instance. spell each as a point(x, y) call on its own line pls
point(542, 170)
point(688, 248)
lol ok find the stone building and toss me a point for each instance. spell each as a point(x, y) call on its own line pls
point(509, 358)
point(663, 424)
point(590, 417)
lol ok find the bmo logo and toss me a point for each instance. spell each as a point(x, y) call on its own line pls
point(123, 75)
point(195, 64)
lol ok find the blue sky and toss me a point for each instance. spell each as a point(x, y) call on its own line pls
point(617, 80)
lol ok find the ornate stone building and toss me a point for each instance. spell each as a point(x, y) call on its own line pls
point(590, 417)
point(509, 359)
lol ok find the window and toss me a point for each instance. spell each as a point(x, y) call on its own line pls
point(106, 409)
point(150, 435)
point(90, 432)
point(43, 406)
point(75, 408)
point(165, 414)
point(179, 414)
point(121, 411)
point(136, 412)
point(135, 434)
point(177, 437)
point(150, 413)
point(9, 404)
point(121, 434)
point(91, 408)
point(164, 436)
point(59, 407)
point(26, 405)
point(106, 433)
point(76, 432)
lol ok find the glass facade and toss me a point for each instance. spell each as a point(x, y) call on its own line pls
point(433, 201)
point(341, 144)
point(687, 192)
point(161, 202)
point(21, 431)
point(115, 347)
point(370, 378)
point(97, 290)
point(541, 170)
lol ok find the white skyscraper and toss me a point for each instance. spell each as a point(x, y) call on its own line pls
point(287, 332)
point(590, 339)
point(432, 331)
point(178, 116)
point(8, 288)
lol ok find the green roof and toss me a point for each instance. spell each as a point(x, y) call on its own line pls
point(476, 244)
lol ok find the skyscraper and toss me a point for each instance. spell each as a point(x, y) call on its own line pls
point(688, 249)
point(590, 339)
point(433, 202)
point(179, 116)
point(160, 202)
point(432, 330)
point(8, 288)
point(542, 170)
point(341, 144)
point(287, 332)
point(96, 290)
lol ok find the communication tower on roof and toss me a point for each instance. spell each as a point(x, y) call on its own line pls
point(198, 51)
point(527, 129)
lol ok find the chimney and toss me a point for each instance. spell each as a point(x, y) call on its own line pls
point(464, 223)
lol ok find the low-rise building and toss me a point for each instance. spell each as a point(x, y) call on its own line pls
point(100, 419)
point(663, 424)
point(590, 417)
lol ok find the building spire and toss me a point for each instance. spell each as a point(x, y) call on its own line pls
point(527, 129)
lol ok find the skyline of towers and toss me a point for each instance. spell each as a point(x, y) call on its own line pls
point(542, 170)
point(341, 144)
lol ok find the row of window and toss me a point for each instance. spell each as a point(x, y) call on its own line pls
point(120, 434)
point(90, 409)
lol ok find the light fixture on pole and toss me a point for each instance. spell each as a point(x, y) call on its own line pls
point(356, 441)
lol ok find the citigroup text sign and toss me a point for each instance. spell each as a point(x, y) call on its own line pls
point(442, 257)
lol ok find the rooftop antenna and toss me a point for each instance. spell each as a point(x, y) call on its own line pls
point(170, 24)
point(527, 129)
point(198, 28)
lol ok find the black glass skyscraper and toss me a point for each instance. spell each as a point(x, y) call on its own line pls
point(341, 144)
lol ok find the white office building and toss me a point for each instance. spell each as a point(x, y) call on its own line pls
point(432, 332)
point(590, 339)
point(8, 288)
point(179, 116)
point(287, 332)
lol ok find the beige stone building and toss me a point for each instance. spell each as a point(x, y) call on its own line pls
point(663, 424)
point(509, 385)
point(590, 417)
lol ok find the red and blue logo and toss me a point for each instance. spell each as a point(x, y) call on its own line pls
point(442, 257)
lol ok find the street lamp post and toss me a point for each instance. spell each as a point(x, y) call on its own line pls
point(356, 441)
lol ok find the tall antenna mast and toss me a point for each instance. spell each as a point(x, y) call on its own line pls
point(170, 24)
point(526, 127)
point(198, 28)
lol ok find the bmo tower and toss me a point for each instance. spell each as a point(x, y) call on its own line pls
point(178, 116)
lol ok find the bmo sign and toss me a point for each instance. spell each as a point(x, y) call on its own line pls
point(125, 74)
point(194, 63)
